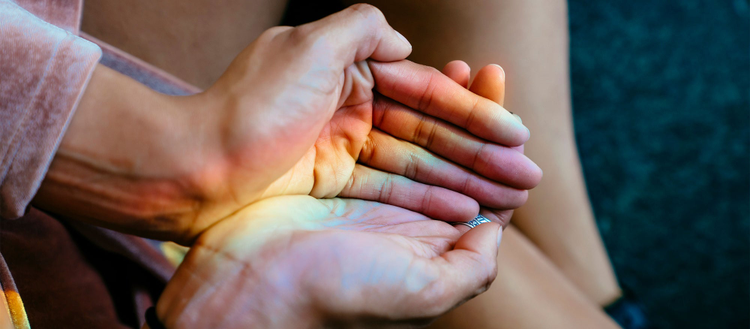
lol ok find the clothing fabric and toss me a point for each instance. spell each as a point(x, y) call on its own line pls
point(43, 72)
point(55, 272)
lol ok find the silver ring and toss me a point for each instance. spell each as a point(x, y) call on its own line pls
point(476, 221)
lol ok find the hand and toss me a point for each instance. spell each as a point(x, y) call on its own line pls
point(172, 172)
point(328, 168)
point(168, 167)
point(425, 149)
point(299, 262)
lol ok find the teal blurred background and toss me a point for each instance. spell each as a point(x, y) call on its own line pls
point(660, 91)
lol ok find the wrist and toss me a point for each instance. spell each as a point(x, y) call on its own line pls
point(116, 164)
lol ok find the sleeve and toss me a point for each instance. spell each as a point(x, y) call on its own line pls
point(43, 72)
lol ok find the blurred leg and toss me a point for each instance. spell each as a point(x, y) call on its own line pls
point(529, 292)
point(194, 40)
point(529, 39)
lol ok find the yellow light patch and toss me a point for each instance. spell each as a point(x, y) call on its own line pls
point(17, 311)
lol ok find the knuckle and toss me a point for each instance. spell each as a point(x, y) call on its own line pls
point(367, 153)
point(352, 186)
point(277, 30)
point(432, 71)
point(386, 190)
point(427, 200)
point(368, 12)
point(472, 115)
point(480, 159)
point(434, 300)
point(300, 35)
point(426, 131)
point(432, 135)
point(412, 166)
point(379, 109)
point(418, 135)
point(271, 34)
point(503, 216)
point(427, 94)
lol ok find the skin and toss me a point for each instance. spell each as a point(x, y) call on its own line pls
point(296, 261)
point(5, 318)
point(530, 40)
point(173, 54)
point(301, 262)
point(200, 158)
point(532, 293)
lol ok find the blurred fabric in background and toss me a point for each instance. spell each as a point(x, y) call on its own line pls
point(660, 92)
point(661, 96)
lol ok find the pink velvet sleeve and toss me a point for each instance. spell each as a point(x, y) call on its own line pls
point(43, 72)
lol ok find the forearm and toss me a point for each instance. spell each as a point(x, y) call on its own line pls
point(116, 165)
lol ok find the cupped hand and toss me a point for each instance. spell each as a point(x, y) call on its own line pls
point(299, 123)
point(300, 262)
point(295, 113)
point(428, 158)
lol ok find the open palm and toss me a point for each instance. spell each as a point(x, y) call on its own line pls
point(295, 261)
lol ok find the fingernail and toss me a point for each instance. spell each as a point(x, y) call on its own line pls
point(519, 125)
point(499, 236)
point(518, 118)
point(403, 38)
point(502, 71)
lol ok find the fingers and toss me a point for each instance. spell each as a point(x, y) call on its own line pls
point(431, 92)
point(498, 163)
point(490, 83)
point(432, 201)
point(384, 152)
point(471, 266)
point(499, 216)
point(483, 240)
point(458, 71)
point(355, 34)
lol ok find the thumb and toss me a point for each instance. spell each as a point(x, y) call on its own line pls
point(355, 34)
point(471, 266)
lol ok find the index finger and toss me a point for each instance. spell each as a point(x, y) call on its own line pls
point(427, 90)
